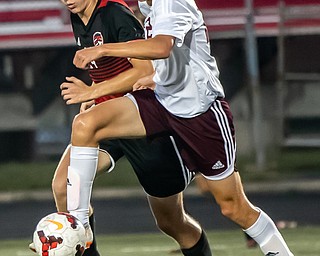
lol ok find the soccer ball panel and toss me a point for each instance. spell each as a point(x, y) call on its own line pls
point(59, 234)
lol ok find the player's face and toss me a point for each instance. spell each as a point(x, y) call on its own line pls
point(78, 6)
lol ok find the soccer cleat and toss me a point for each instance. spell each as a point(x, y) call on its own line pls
point(32, 247)
point(89, 236)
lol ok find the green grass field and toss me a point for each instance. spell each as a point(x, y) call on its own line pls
point(303, 241)
point(289, 164)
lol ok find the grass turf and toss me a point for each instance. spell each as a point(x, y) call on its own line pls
point(302, 241)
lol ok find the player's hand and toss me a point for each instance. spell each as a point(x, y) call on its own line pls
point(86, 105)
point(144, 83)
point(73, 91)
point(83, 57)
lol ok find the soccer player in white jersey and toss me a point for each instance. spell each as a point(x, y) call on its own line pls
point(187, 102)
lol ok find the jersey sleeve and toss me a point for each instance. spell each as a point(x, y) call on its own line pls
point(173, 18)
point(122, 24)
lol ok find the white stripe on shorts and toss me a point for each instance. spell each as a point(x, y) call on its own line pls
point(223, 123)
point(186, 173)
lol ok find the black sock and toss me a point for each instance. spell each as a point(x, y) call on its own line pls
point(201, 248)
point(92, 250)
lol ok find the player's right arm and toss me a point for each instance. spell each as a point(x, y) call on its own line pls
point(75, 91)
point(124, 81)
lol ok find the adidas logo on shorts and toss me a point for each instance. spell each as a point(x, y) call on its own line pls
point(217, 165)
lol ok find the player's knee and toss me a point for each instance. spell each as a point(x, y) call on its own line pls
point(83, 127)
point(236, 210)
point(229, 209)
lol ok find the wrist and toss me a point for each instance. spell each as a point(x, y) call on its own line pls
point(102, 51)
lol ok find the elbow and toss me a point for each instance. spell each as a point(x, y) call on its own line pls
point(165, 55)
point(163, 46)
point(162, 53)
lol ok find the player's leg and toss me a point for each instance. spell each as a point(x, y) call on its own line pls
point(59, 181)
point(202, 186)
point(104, 165)
point(114, 118)
point(172, 219)
point(163, 176)
point(117, 118)
point(234, 205)
point(213, 150)
point(59, 188)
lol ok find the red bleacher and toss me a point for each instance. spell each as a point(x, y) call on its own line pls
point(28, 15)
point(42, 23)
point(33, 24)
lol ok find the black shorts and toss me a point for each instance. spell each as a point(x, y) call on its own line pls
point(156, 162)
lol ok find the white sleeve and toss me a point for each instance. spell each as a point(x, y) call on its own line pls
point(171, 19)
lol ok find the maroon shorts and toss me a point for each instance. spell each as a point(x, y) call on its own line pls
point(206, 142)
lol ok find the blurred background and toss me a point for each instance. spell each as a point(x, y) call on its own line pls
point(268, 54)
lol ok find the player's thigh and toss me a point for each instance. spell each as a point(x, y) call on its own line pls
point(111, 119)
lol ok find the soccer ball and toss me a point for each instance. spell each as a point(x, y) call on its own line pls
point(59, 234)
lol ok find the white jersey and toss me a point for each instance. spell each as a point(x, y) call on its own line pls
point(187, 82)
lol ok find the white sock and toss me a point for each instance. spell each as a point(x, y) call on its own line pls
point(81, 173)
point(266, 234)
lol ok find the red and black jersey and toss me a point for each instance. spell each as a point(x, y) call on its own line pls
point(111, 22)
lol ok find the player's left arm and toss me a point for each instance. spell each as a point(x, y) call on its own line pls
point(158, 47)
